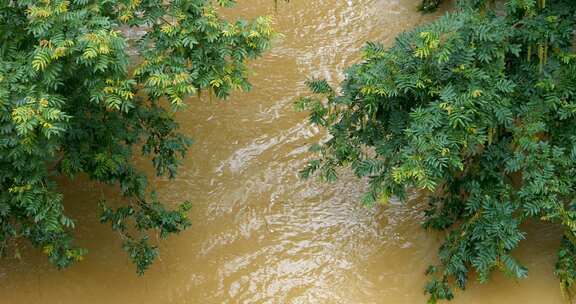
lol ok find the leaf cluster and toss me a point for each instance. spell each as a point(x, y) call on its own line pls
point(78, 96)
point(479, 110)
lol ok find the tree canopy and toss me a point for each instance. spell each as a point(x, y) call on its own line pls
point(73, 101)
point(477, 110)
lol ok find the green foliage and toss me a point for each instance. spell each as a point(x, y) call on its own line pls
point(479, 110)
point(429, 5)
point(73, 102)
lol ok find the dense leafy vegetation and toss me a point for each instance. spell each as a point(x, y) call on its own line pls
point(477, 109)
point(429, 5)
point(72, 103)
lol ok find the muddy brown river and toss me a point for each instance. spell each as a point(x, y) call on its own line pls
point(259, 233)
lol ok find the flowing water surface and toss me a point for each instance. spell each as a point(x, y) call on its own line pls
point(259, 233)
